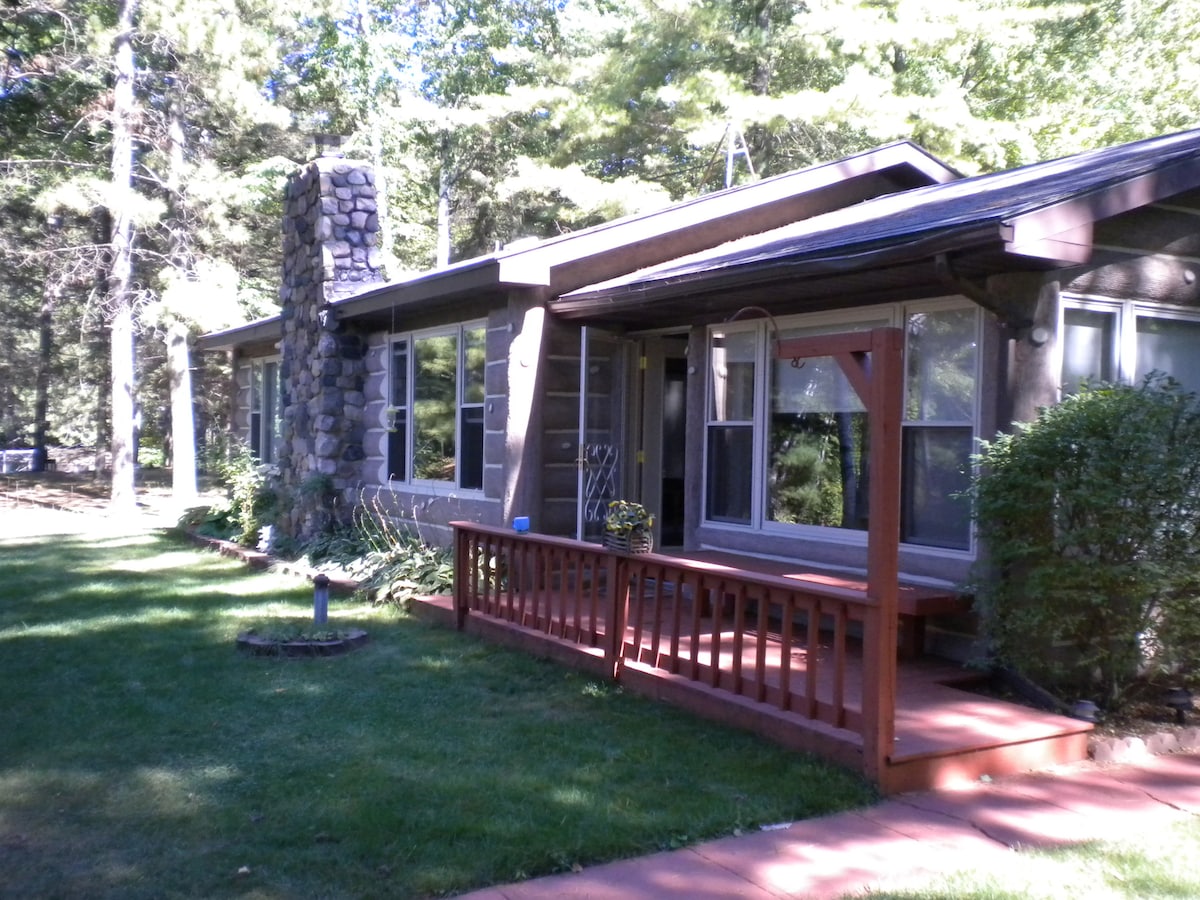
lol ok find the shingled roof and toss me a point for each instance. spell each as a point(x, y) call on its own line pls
point(1036, 217)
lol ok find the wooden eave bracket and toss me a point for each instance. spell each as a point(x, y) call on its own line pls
point(1062, 232)
point(850, 351)
point(1011, 315)
point(1070, 247)
point(856, 368)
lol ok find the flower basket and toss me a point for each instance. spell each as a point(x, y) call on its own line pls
point(627, 528)
point(640, 541)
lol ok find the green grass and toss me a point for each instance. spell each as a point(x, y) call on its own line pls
point(141, 756)
point(1158, 862)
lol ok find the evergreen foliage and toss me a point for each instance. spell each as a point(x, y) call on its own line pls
point(1091, 517)
point(487, 123)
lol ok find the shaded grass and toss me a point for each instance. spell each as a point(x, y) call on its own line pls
point(1159, 862)
point(141, 756)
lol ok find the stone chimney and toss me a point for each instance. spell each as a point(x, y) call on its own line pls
point(330, 232)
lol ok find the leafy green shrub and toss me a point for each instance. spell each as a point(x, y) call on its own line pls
point(410, 569)
point(253, 501)
point(389, 559)
point(340, 545)
point(218, 520)
point(1091, 517)
point(398, 565)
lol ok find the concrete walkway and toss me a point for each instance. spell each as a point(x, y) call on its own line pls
point(901, 841)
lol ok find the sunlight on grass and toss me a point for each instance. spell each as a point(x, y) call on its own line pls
point(174, 793)
point(149, 791)
point(125, 542)
point(436, 663)
point(146, 757)
point(28, 786)
point(572, 796)
point(179, 559)
point(297, 691)
point(292, 609)
point(272, 610)
point(70, 628)
point(1159, 861)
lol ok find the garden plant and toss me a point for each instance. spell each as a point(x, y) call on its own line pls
point(1091, 518)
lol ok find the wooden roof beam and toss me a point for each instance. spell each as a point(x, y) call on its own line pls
point(1062, 232)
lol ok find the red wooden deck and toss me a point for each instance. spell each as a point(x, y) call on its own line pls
point(734, 645)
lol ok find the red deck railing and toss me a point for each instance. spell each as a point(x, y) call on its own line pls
point(707, 623)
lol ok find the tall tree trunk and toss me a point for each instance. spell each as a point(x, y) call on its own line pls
point(99, 354)
point(443, 215)
point(179, 371)
point(120, 277)
point(760, 79)
point(850, 494)
point(183, 426)
point(101, 349)
point(41, 403)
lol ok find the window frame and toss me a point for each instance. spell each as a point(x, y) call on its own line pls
point(462, 406)
point(1126, 313)
point(713, 422)
point(890, 315)
point(268, 431)
point(910, 427)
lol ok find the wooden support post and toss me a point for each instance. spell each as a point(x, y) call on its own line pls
point(873, 363)
point(883, 550)
point(618, 607)
point(462, 576)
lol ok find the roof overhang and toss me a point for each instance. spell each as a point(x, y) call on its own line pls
point(616, 248)
point(264, 332)
point(476, 279)
point(1062, 232)
point(790, 284)
point(894, 247)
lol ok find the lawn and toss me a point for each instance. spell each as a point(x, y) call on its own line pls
point(1159, 862)
point(142, 756)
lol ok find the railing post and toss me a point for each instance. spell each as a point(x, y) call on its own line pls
point(462, 574)
point(617, 572)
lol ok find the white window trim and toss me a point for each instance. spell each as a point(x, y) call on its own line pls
point(269, 424)
point(410, 338)
point(1127, 313)
point(896, 315)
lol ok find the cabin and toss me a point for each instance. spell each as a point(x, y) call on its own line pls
point(791, 375)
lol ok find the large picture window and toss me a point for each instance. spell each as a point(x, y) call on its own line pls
point(816, 441)
point(435, 415)
point(787, 440)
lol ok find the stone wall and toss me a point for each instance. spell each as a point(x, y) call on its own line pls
point(330, 232)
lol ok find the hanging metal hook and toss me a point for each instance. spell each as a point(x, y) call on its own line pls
point(762, 312)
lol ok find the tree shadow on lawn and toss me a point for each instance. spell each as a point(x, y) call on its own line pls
point(142, 756)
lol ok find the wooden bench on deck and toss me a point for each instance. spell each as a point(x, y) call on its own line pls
point(914, 603)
